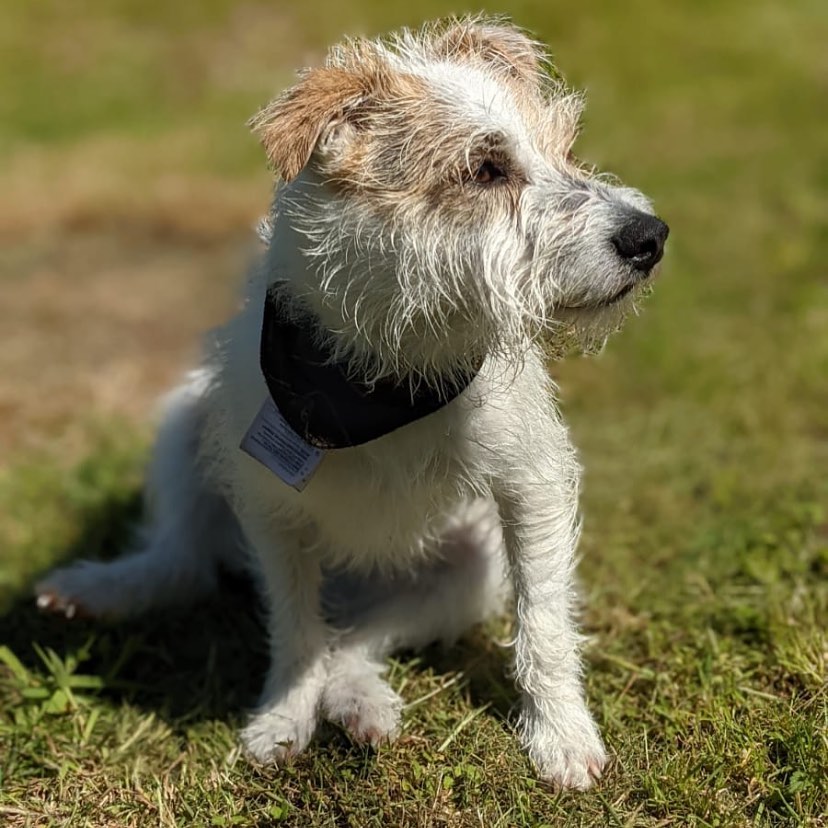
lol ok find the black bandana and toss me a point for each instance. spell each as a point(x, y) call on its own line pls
point(322, 404)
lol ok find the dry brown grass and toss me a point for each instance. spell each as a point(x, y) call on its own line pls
point(102, 333)
point(108, 285)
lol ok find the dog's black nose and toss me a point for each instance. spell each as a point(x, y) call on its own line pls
point(641, 240)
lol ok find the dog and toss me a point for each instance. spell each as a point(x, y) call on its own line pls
point(375, 432)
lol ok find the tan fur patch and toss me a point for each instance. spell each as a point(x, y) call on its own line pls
point(290, 126)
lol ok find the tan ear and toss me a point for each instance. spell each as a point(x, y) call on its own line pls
point(290, 126)
point(501, 44)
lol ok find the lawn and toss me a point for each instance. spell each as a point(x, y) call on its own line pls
point(129, 189)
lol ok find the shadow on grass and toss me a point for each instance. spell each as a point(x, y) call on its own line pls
point(207, 661)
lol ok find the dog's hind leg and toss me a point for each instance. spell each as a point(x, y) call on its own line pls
point(380, 615)
point(174, 557)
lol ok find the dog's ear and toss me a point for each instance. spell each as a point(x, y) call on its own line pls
point(505, 46)
point(291, 126)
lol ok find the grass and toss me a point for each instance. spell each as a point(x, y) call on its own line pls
point(702, 429)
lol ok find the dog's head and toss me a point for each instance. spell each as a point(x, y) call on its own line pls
point(441, 211)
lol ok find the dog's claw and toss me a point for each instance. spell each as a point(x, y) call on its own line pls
point(596, 769)
point(53, 603)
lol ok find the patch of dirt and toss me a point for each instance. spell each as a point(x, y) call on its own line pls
point(97, 322)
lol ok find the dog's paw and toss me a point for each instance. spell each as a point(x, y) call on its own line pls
point(568, 753)
point(276, 736)
point(364, 704)
point(570, 766)
point(74, 592)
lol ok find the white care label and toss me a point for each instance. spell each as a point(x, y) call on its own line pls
point(272, 442)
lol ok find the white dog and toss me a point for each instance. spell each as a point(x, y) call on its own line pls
point(400, 447)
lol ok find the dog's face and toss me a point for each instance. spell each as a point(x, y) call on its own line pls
point(434, 179)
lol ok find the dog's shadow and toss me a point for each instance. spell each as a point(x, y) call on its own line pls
point(202, 662)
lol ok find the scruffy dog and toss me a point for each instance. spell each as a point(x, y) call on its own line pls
point(401, 450)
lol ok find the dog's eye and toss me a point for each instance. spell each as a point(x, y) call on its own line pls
point(488, 173)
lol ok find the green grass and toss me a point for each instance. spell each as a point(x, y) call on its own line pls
point(703, 432)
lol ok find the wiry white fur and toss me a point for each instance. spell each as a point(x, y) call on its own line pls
point(405, 539)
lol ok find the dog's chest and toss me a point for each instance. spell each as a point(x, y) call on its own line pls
point(387, 502)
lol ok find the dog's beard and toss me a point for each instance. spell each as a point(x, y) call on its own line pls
point(586, 330)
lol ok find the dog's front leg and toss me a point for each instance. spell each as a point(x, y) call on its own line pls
point(539, 514)
point(285, 718)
